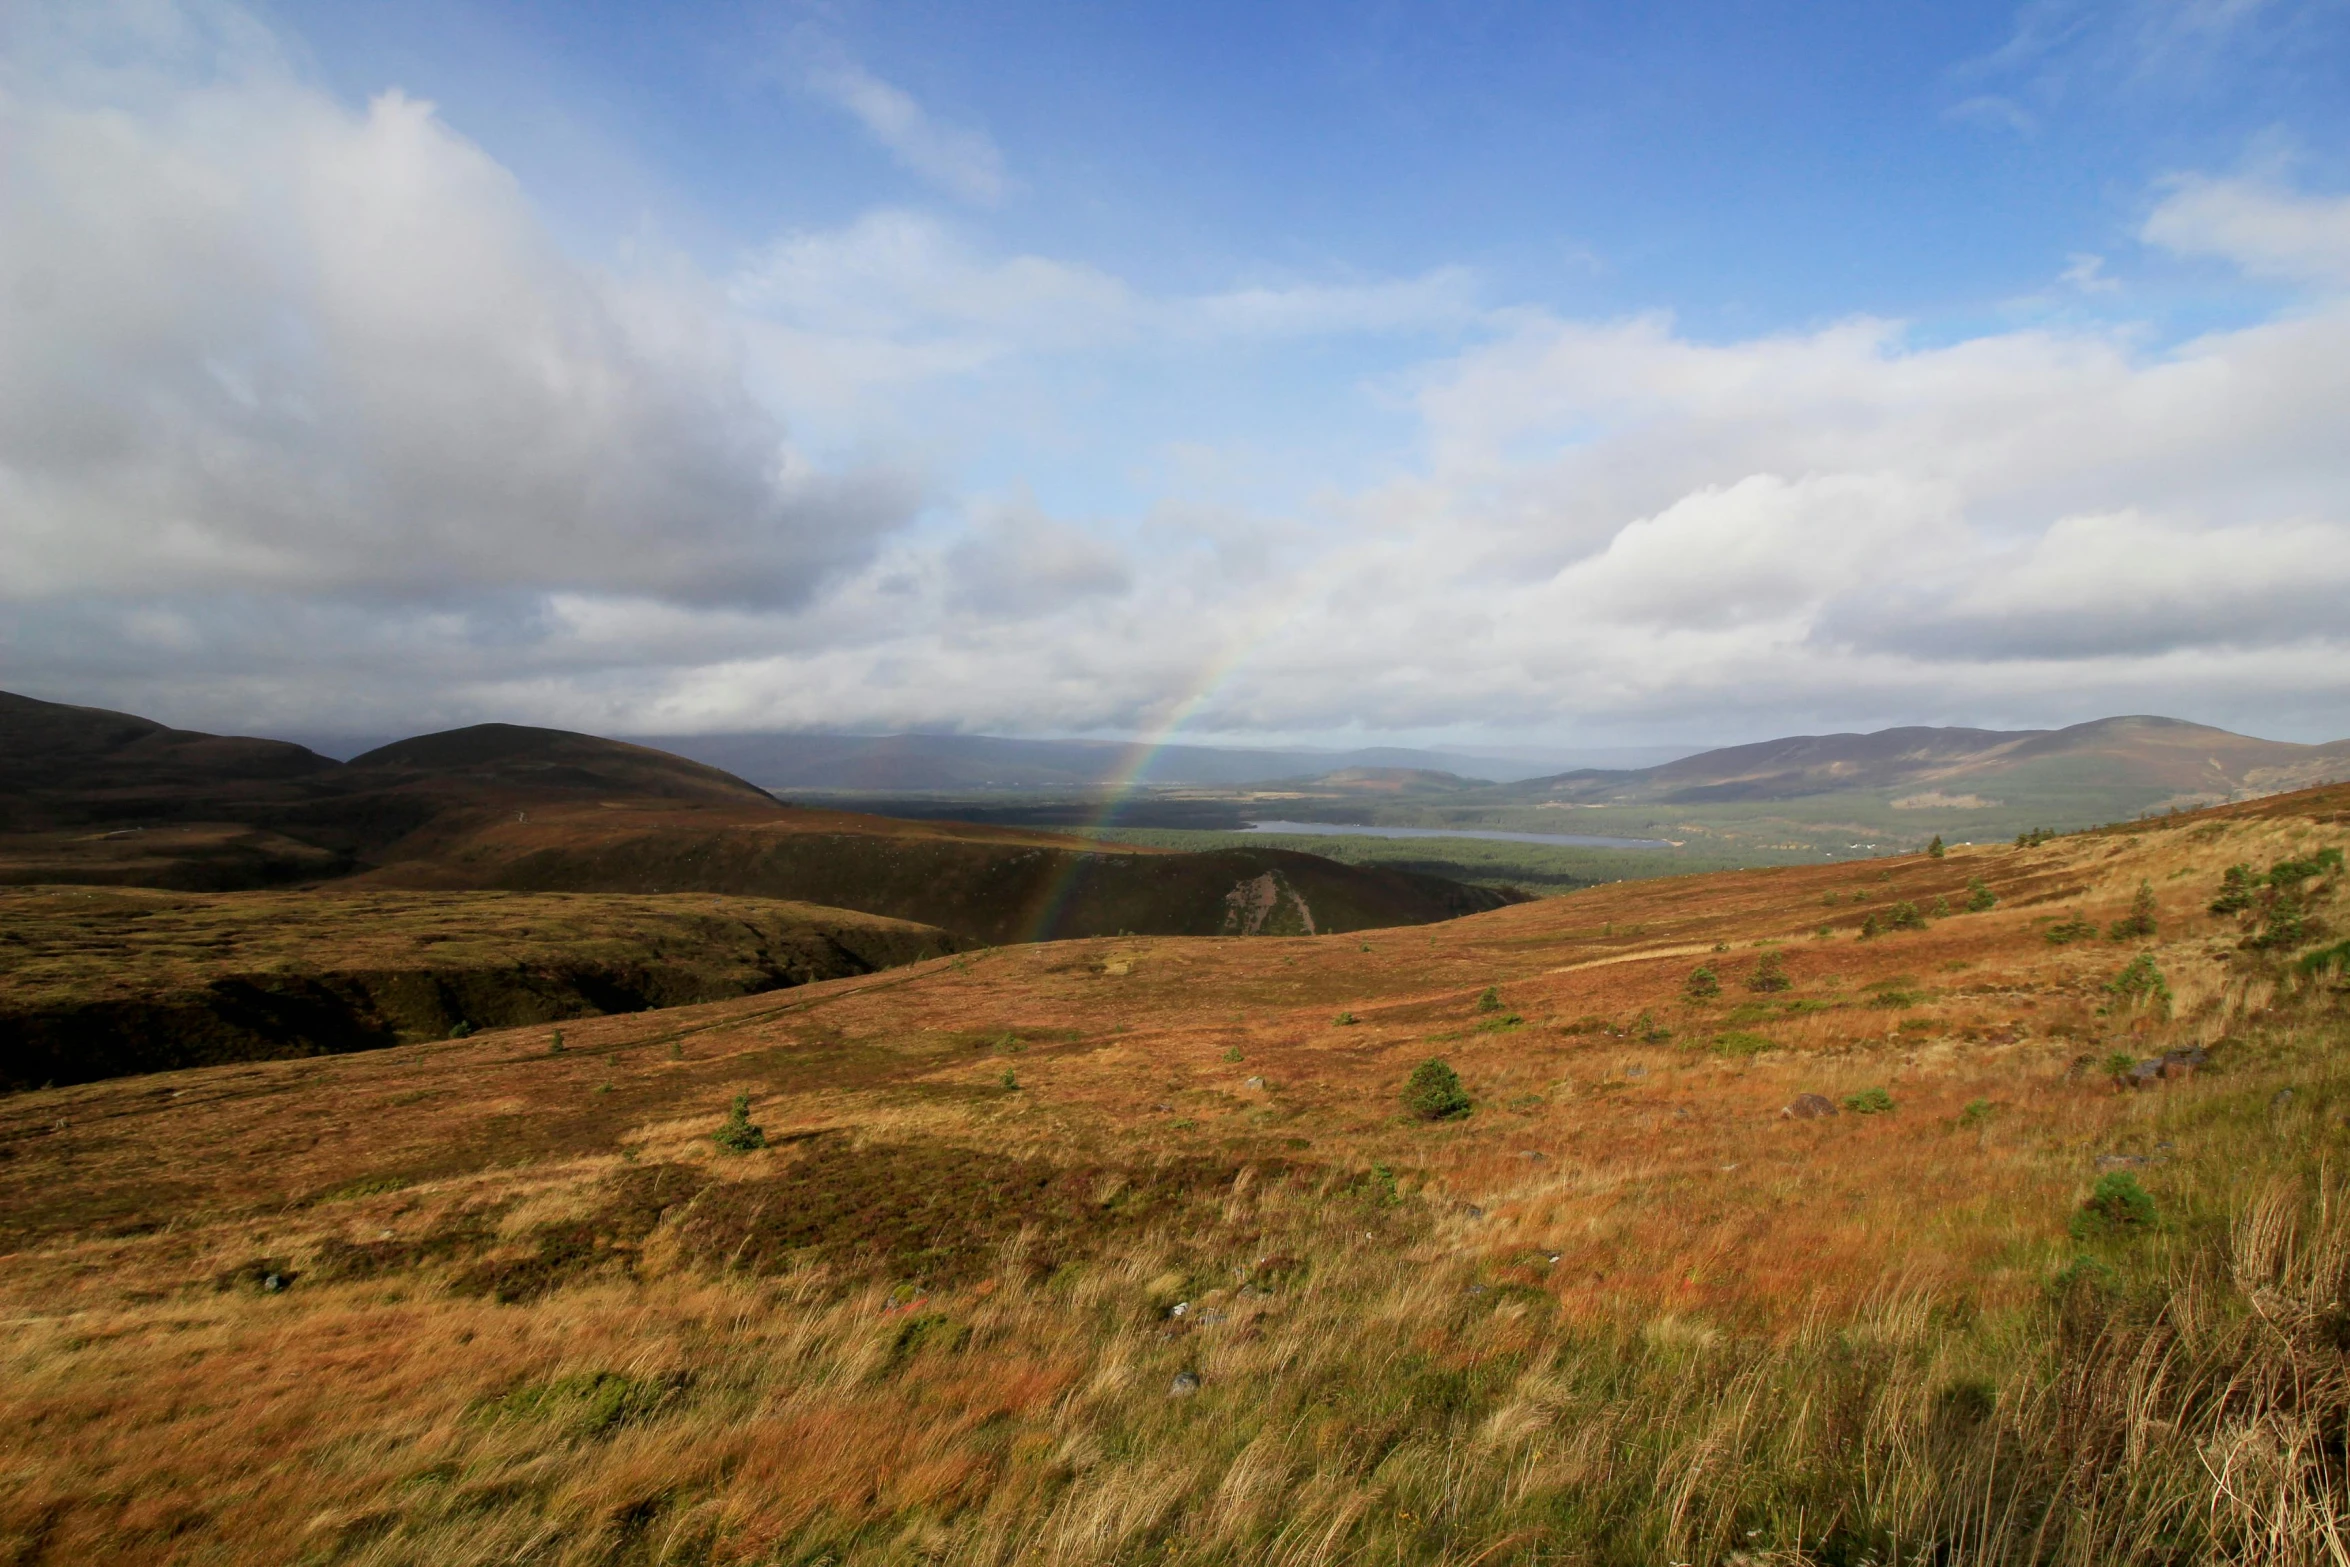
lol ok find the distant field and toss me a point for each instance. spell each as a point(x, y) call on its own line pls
point(1713, 835)
point(1533, 867)
point(1813, 830)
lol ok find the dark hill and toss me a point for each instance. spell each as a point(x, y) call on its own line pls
point(992, 884)
point(61, 764)
point(106, 798)
point(515, 755)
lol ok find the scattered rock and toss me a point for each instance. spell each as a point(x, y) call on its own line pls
point(2283, 1097)
point(2121, 1161)
point(1478, 1289)
point(1254, 1082)
point(1208, 1319)
point(1635, 1071)
point(1472, 1210)
point(1808, 1107)
point(1531, 1157)
point(1181, 1308)
point(1185, 1384)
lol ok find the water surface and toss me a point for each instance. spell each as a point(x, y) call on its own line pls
point(1575, 840)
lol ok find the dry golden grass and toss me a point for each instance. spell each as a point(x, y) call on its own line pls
point(1624, 1312)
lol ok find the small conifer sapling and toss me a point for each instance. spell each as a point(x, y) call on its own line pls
point(1434, 1092)
point(738, 1133)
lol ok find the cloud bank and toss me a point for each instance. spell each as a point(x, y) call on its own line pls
point(306, 422)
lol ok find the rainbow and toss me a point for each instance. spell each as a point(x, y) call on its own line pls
point(1137, 761)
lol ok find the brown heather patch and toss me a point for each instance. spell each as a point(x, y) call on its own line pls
point(1622, 1313)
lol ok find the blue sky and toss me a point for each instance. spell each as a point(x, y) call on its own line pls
point(1498, 373)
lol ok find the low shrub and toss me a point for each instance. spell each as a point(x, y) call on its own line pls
point(1434, 1092)
point(2141, 983)
point(1979, 896)
point(2069, 929)
point(2291, 873)
point(1905, 916)
point(591, 1404)
point(1769, 974)
point(2287, 924)
point(1869, 1101)
point(1702, 982)
point(2238, 889)
point(2140, 921)
point(2117, 1205)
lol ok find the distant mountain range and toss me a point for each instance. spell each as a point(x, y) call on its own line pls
point(949, 764)
point(2185, 764)
point(2175, 760)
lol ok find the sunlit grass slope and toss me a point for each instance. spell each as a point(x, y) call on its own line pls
point(100, 982)
point(1126, 1250)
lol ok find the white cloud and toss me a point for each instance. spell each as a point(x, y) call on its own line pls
point(1446, 297)
point(957, 159)
point(894, 274)
point(304, 420)
point(2265, 229)
point(1999, 113)
point(2086, 273)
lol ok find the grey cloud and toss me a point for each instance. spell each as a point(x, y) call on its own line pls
point(250, 341)
point(1020, 562)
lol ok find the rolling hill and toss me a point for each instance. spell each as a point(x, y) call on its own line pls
point(103, 798)
point(2165, 761)
point(1961, 1209)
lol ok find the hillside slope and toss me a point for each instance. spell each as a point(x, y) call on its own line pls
point(103, 799)
point(1118, 1249)
point(990, 884)
point(106, 984)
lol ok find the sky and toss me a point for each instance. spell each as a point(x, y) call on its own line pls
point(1447, 374)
